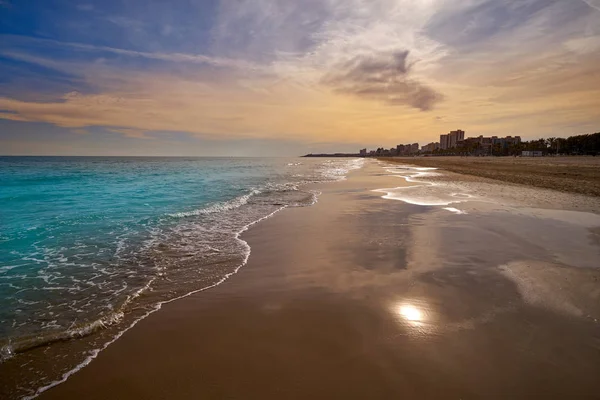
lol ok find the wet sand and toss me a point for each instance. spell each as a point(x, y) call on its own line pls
point(567, 174)
point(363, 297)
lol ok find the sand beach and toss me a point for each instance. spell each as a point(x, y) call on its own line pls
point(567, 174)
point(417, 291)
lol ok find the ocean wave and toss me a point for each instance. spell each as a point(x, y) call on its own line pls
point(8, 350)
point(338, 169)
point(218, 207)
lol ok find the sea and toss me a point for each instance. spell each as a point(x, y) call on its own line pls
point(91, 245)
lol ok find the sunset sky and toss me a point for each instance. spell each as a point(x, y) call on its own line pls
point(287, 77)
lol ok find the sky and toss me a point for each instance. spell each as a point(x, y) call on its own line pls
point(288, 77)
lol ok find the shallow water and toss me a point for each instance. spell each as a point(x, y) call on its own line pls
point(551, 254)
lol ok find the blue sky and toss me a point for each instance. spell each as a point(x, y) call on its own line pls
point(267, 77)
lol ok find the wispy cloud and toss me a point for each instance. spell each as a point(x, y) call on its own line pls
point(593, 3)
point(85, 7)
point(131, 133)
point(170, 57)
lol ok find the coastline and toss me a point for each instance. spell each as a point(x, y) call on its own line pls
point(320, 309)
point(49, 359)
point(567, 174)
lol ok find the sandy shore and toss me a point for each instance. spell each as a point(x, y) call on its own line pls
point(363, 297)
point(568, 174)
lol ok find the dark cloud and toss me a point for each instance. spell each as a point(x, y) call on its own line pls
point(382, 77)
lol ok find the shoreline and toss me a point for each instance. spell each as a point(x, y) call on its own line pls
point(91, 344)
point(566, 174)
point(320, 309)
point(95, 352)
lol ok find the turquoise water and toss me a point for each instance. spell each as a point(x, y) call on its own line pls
point(90, 243)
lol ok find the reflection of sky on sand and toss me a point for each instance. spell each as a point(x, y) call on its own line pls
point(547, 250)
point(548, 254)
point(443, 280)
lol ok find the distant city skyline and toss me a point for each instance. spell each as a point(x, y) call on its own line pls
point(277, 77)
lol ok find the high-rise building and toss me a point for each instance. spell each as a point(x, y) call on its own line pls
point(444, 142)
point(454, 137)
point(450, 140)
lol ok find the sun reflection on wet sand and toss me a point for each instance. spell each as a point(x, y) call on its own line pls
point(410, 313)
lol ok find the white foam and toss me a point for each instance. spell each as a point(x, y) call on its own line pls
point(338, 169)
point(218, 207)
point(94, 353)
point(423, 193)
point(7, 268)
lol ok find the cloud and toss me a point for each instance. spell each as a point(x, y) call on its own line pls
point(126, 22)
point(131, 133)
point(593, 3)
point(85, 7)
point(11, 115)
point(264, 29)
point(382, 77)
point(224, 62)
